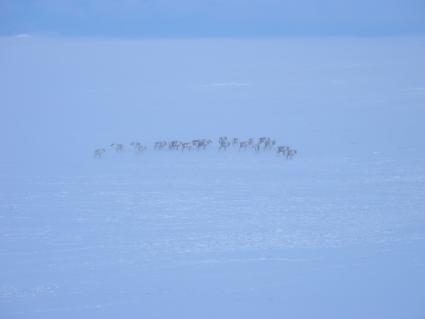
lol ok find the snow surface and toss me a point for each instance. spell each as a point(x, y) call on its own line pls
point(337, 232)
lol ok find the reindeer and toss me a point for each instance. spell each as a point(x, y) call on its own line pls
point(98, 153)
point(243, 145)
point(201, 144)
point(268, 144)
point(223, 143)
point(286, 151)
point(186, 146)
point(282, 150)
point(160, 145)
point(117, 147)
point(138, 147)
point(262, 140)
point(291, 153)
point(174, 145)
point(257, 146)
point(197, 144)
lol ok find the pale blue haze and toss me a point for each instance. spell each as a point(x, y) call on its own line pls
point(338, 232)
point(230, 18)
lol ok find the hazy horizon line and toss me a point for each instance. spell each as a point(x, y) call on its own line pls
point(31, 35)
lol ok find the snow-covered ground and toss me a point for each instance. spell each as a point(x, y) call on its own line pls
point(337, 232)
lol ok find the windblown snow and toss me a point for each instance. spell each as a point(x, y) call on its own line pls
point(336, 231)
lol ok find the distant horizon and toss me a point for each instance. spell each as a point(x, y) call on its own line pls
point(212, 19)
point(209, 36)
point(51, 36)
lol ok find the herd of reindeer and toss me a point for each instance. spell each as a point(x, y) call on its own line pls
point(262, 144)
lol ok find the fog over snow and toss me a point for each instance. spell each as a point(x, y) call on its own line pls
point(335, 95)
point(336, 232)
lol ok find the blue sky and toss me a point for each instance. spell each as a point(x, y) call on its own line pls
point(233, 18)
